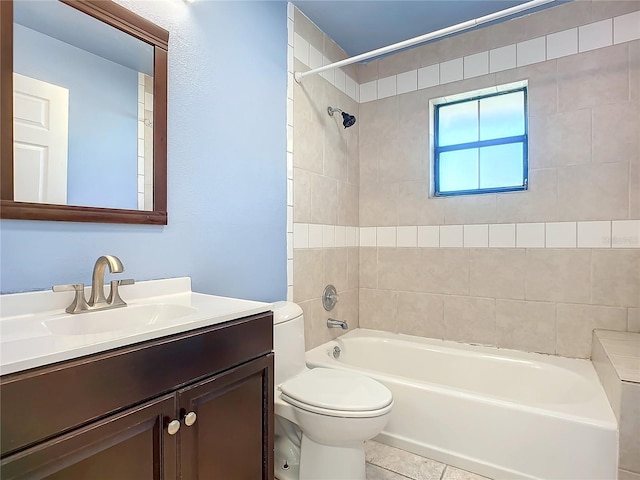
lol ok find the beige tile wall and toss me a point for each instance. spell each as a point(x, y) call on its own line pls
point(315, 268)
point(541, 300)
point(325, 190)
point(584, 115)
point(583, 157)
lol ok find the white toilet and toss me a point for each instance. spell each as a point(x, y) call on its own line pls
point(323, 416)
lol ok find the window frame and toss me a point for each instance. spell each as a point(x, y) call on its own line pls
point(524, 139)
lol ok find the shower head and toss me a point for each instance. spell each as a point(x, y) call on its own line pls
point(347, 120)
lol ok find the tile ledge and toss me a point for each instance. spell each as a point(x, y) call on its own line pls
point(604, 336)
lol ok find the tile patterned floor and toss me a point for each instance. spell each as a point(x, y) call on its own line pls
point(389, 463)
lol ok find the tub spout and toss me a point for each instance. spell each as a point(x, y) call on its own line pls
point(331, 323)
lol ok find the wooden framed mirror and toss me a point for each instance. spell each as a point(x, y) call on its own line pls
point(84, 183)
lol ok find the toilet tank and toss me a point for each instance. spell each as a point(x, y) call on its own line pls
point(288, 340)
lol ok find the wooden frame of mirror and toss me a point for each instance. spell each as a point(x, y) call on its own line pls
point(132, 24)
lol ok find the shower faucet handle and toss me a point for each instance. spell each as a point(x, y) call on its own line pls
point(330, 297)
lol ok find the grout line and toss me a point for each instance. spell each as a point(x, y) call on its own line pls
point(392, 471)
point(377, 268)
point(443, 471)
point(555, 329)
point(469, 273)
point(591, 275)
point(629, 74)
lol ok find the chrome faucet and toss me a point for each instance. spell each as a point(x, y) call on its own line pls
point(331, 323)
point(97, 300)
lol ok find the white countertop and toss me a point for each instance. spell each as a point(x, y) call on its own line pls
point(26, 341)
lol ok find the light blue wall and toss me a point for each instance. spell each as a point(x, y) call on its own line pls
point(227, 166)
point(103, 111)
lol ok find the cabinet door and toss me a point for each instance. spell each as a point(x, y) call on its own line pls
point(132, 445)
point(232, 437)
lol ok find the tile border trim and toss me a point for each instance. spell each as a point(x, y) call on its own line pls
point(624, 234)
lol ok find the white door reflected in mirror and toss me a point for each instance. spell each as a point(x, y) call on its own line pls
point(41, 124)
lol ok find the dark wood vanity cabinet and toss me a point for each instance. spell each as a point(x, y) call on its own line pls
point(215, 384)
point(222, 443)
point(130, 445)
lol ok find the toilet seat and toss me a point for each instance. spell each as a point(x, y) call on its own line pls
point(337, 393)
point(337, 413)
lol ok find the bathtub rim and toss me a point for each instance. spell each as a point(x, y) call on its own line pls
point(316, 358)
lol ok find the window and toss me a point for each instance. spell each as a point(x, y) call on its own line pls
point(481, 144)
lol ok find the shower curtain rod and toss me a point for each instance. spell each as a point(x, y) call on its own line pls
point(423, 38)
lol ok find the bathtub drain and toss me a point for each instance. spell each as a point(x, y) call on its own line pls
point(336, 352)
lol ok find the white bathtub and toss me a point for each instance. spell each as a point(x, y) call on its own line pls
point(500, 413)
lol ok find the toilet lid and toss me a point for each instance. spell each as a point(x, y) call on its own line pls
point(337, 390)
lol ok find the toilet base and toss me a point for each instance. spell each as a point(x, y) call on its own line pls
point(321, 462)
point(291, 473)
point(287, 453)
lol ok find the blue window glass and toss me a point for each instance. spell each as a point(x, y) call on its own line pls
point(481, 144)
point(459, 123)
point(501, 166)
point(459, 170)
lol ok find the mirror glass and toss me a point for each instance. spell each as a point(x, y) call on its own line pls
point(83, 110)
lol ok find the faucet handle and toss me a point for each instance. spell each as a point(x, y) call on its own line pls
point(68, 288)
point(114, 295)
point(79, 303)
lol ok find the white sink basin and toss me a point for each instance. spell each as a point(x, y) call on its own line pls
point(117, 319)
point(35, 330)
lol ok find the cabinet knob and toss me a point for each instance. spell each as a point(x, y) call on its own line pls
point(173, 427)
point(190, 419)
